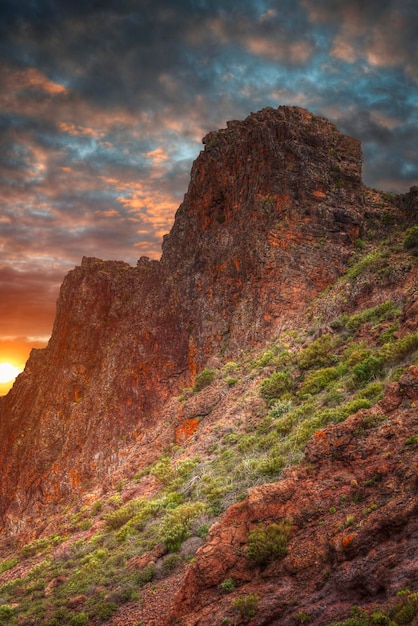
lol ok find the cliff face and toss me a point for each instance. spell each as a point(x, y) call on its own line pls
point(273, 207)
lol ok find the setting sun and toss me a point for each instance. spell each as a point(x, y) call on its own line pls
point(8, 372)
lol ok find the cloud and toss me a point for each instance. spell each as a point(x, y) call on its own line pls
point(103, 106)
point(381, 32)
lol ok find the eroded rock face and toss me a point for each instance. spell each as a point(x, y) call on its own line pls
point(273, 207)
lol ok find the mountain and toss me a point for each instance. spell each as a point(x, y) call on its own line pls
point(228, 435)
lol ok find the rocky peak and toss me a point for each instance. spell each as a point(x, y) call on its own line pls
point(273, 207)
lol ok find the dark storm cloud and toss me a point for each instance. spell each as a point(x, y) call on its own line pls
point(103, 105)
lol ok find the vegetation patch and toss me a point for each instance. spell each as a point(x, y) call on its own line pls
point(270, 543)
point(275, 386)
point(204, 379)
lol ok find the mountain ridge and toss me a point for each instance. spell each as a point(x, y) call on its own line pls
point(276, 253)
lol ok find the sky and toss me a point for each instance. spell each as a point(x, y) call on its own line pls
point(103, 106)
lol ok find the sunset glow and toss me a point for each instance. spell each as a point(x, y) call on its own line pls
point(8, 372)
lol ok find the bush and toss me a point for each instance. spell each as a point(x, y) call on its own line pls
point(6, 613)
point(202, 380)
point(227, 585)
point(319, 379)
point(373, 392)
point(381, 312)
point(118, 518)
point(372, 261)
point(266, 544)
point(366, 370)
point(171, 563)
point(411, 238)
point(145, 575)
point(280, 408)
point(319, 353)
point(175, 527)
point(105, 610)
point(78, 620)
point(246, 606)
point(396, 351)
point(38, 545)
point(274, 387)
point(8, 564)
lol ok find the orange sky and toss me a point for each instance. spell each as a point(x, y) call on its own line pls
point(16, 351)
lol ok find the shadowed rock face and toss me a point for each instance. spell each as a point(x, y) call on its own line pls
point(273, 207)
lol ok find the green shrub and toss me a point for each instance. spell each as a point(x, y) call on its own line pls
point(38, 545)
point(175, 527)
point(96, 507)
point(204, 379)
point(246, 606)
point(163, 470)
point(266, 358)
point(280, 408)
point(145, 575)
point(374, 392)
point(227, 585)
point(62, 616)
point(118, 518)
point(78, 620)
point(6, 613)
point(171, 563)
point(322, 417)
point(371, 367)
point(397, 350)
point(105, 610)
point(411, 238)
point(405, 612)
point(317, 380)
point(373, 261)
point(270, 466)
point(319, 353)
point(8, 564)
point(412, 441)
point(381, 312)
point(275, 386)
point(266, 544)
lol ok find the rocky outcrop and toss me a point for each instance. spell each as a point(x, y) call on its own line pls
point(274, 205)
point(352, 506)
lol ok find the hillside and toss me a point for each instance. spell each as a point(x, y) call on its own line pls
point(228, 435)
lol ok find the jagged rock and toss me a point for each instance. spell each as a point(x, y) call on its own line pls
point(273, 207)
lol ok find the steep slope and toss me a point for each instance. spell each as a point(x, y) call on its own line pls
point(273, 208)
point(351, 509)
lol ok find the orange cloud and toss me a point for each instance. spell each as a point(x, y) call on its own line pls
point(36, 79)
point(296, 52)
point(157, 156)
point(77, 130)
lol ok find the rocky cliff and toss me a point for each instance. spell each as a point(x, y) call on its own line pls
point(273, 208)
point(284, 303)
